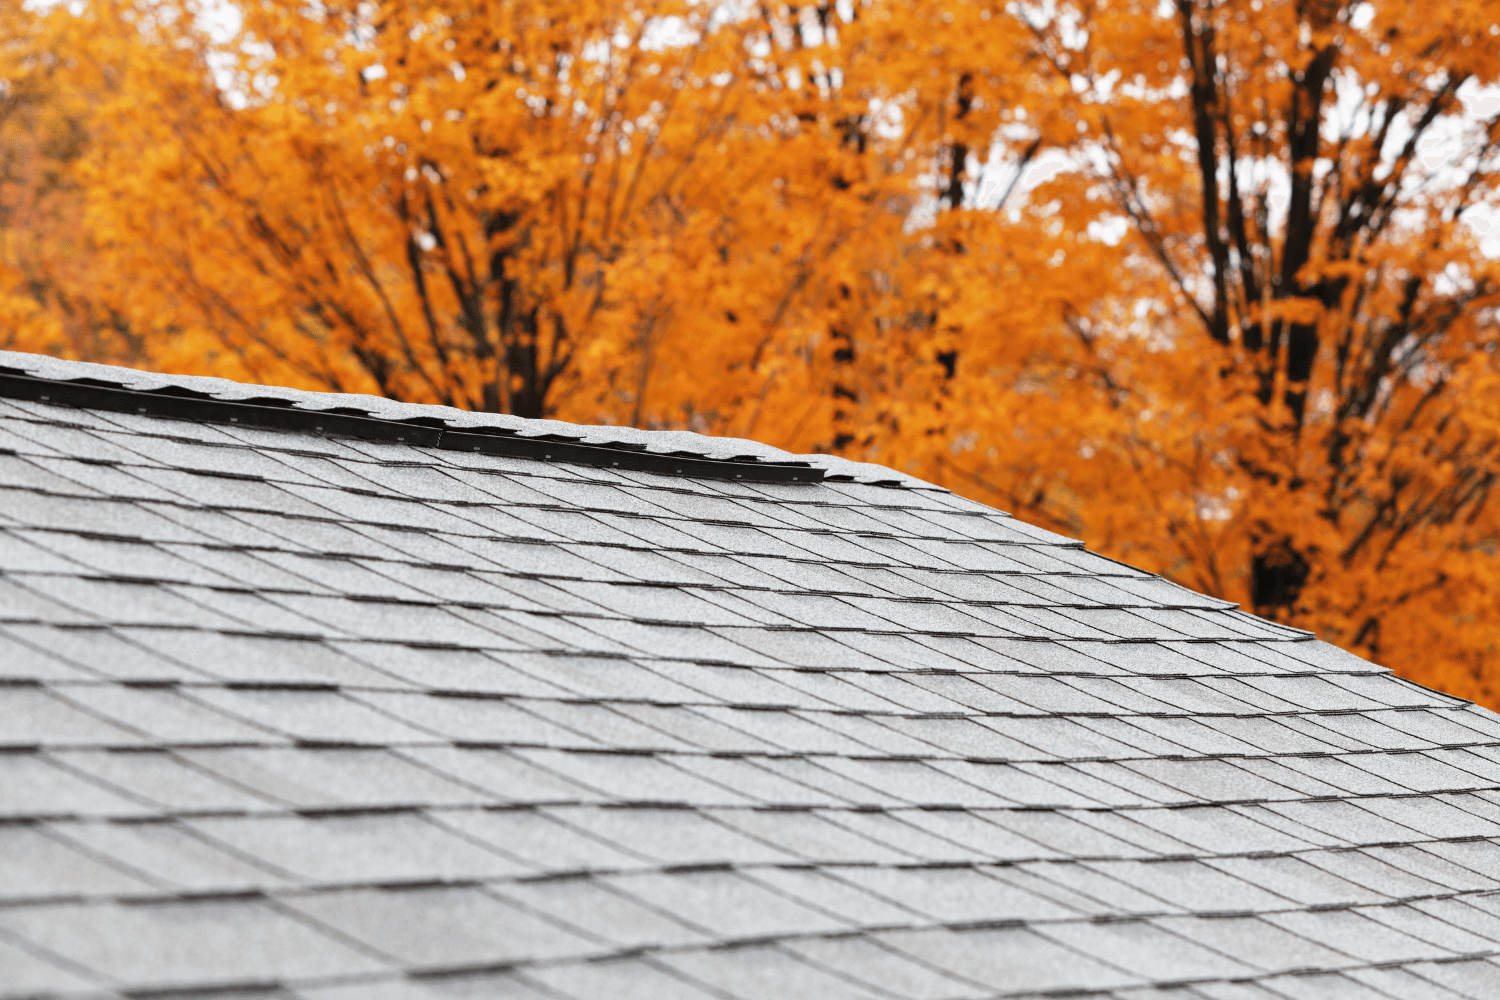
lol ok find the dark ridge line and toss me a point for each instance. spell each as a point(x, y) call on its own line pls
point(187, 404)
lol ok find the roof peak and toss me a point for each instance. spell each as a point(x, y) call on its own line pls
point(218, 400)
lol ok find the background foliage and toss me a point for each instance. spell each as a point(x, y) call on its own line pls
point(1243, 335)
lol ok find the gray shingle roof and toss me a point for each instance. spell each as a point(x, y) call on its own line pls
point(288, 714)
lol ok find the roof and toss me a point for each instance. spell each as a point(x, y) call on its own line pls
point(432, 704)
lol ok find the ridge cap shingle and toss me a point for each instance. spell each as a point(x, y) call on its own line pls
point(664, 442)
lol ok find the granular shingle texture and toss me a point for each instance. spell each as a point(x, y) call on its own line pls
point(286, 714)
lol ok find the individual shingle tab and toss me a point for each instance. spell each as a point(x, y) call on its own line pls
point(725, 903)
point(449, 927)
point(332, 777)
point(288, 713)
point(169, 856)
point(30, 973)
point(672, 837)
point(372, 848)
point(631, 978)
point(164, 778)
point(205, 943)
point(33, 787)
point(591, 907)
point(35, 865)
point(170, 715)
point(1017, 957)
point(540, 842)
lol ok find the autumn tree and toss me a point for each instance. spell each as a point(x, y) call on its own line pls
point(1244, 336)
point(649, 212)
point(417, 201)
point(46, 300)
point(1287, 393)
point(627, 210)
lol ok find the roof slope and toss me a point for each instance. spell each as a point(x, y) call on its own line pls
point(286, 714)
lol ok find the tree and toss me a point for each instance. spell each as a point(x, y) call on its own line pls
point(424, 202)
point(46, 303)
point(633, 210)
point(1288, 395)
point(498, 205)
point(1243, 337)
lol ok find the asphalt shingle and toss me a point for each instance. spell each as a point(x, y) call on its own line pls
point(292, 716)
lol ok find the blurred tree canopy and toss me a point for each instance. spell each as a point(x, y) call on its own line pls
point(1244, 335)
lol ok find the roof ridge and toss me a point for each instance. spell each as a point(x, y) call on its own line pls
point(120, 389)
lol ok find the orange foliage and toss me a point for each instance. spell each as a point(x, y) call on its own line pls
point(1243, 336)
point(45, 259)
